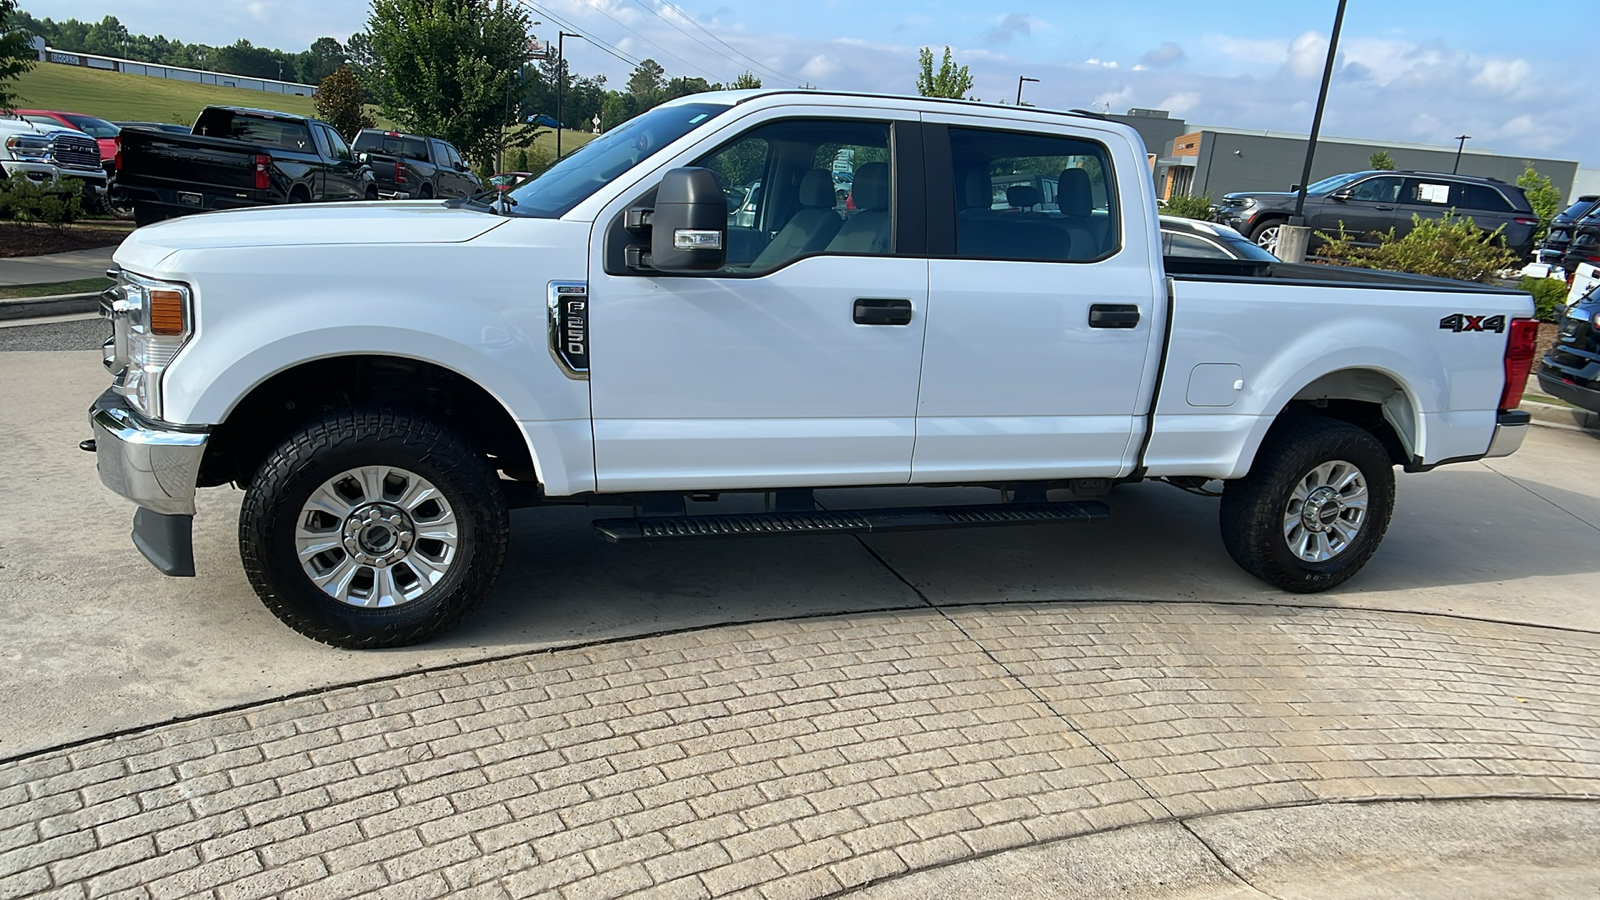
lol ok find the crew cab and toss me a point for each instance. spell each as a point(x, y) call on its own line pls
point(385, 381)
point(414, 167)
point(47, 153)
point(234, 158)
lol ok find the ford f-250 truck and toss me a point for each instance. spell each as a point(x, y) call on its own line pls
point(236, 158)
point(384, 382)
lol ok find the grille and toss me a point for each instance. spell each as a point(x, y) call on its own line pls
point(76, 152)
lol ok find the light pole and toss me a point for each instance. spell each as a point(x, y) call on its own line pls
point(1298, 234)
point(561, 78)
point(1020, 80)
point(1461, 144)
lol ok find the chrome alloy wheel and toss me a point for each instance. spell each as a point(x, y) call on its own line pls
point(376, 536)
point(1268, 239)
point(1325, 511)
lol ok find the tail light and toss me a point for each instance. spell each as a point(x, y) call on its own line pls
point(263, 171)
point(399, 172)
point(1520, 344)
point(1524, 220)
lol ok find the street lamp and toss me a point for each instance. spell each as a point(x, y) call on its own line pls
point(1020, 80)
point(1461, 144)
point(561, 78)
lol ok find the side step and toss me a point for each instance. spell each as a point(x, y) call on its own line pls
point(846, 521)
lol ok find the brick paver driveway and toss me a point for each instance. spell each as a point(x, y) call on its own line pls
point(802, 758)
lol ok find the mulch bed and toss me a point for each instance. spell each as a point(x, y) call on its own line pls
point(1547, 338)
point(34, 240)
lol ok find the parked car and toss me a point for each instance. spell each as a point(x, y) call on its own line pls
point(1375, 201)
point(1194, 239)
point(104, 133)
point(377, 380)
point(415, 167)
point(505, 181)
point(237, 157)
point(170, 127)
point(48, 152)
point(1570, 369)
point(1554, 248)
point(1584, 244)
point(544, 120)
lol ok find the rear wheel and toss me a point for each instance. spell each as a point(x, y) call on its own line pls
point(425, 194)
point(1313, 508)
point(373, 528)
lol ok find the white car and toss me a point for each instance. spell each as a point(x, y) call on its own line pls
point(385, 381)
point(50, 153)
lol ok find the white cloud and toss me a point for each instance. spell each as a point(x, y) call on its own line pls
point(1181, 103)
point(1505, 76)
point(1308, 53)
point(820, 67)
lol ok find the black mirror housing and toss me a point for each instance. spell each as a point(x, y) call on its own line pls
point(1341, 196)
point(689, 227)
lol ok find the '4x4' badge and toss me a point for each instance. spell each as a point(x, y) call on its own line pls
point(1459, 322)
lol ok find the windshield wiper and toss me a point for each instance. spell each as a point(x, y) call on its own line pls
point(476, 198)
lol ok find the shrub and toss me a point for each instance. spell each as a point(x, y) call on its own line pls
point(1549, 296)
point(1542, 196)
point(51, 204)
point(1451, 247)
point(1381, 161)
point(520, 164)
point(1188, 207)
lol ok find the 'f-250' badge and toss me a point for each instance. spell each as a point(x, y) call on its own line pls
point(569, 326)
point(1459, 322)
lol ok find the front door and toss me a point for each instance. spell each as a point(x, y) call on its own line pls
point(343, 173)
point(1040, 348)
point(797, 363)
point(1372, 208)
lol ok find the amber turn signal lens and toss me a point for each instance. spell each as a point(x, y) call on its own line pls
point(166, 312)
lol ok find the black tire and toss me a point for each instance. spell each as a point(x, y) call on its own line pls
point(275, 504)
point(425, 194)
point(371, 195)
point(1256, 509)
point(299, 195)
point(144, 215)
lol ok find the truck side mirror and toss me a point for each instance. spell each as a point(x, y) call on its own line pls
point(689, 227)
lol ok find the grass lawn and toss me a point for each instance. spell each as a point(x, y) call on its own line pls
point(81, 286)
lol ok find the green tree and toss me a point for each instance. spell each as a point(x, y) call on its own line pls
point(647, 81)
point(619, 107)
point(339, 102)
point(16, 56)
point(1542, 196)
point(325, 57)
point(1381, 161)
point(683, 87)
point(747, 80)
point(450, 68)
point(950, 81)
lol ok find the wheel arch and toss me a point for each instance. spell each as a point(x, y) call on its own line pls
point(1370, 397)
point(278, 403)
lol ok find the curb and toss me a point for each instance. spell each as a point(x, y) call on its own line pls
point(1561, 416)
point(58, 305)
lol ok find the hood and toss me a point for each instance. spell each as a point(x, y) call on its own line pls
point(300, 225)
point(23, 126)
point(1263, 196)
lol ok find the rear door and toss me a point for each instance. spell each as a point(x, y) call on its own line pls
point(1042, 323)
point(1421, 197)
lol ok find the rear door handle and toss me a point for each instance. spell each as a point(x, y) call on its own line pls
point(882, 311)
point(1113, 315)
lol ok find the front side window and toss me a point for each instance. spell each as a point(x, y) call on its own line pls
point(1377, 190)
point(594, 165)
point(805, 186)
point(1032, 197)
point(340, 149)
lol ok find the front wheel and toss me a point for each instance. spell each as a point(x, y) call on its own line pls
point(1313, 508)
point(373, 528)
point(1266, 234)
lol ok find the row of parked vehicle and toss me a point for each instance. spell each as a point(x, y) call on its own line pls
point(1574, 237)
point(231, 157)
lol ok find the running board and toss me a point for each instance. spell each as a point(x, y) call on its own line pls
point(846, 521)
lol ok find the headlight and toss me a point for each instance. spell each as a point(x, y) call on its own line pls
point(152, 321)
point(29, 148)
point(1246, 202)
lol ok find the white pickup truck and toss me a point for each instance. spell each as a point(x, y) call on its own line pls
point(687, 307)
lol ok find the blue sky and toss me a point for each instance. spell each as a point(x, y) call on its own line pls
point(1419, 71)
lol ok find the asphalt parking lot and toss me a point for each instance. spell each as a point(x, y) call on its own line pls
point(927, 713)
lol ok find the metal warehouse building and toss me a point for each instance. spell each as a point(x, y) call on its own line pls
point(1203, 160)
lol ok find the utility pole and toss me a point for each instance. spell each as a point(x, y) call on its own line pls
point(1460, 145)
point(1020, 80)
point(1296, 235)
point(561, 80)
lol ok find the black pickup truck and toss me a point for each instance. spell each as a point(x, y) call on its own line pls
point(235, 158)
point(414, 167)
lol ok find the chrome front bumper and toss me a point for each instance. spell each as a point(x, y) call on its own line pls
point(154, 467)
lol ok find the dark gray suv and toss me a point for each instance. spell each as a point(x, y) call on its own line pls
point(1376, 201)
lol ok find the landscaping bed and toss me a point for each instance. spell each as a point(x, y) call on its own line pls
point(19, 239)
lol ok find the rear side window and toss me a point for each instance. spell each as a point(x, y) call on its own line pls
point(282, 133)
point(1425, 192)
point(1032, 197)
point(1478, 197)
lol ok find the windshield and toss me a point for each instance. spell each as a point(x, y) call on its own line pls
point(89, 125)
point(1327, 185)
point(575, 178)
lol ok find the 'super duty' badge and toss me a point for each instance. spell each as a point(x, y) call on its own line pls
point(568, 303)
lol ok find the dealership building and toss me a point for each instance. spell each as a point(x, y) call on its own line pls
point(1209, 161)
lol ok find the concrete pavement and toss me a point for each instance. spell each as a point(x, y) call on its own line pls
point(905, 704)
point(53, 267)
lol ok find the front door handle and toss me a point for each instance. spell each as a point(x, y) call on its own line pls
point(1113, 315)
point(880, 311)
